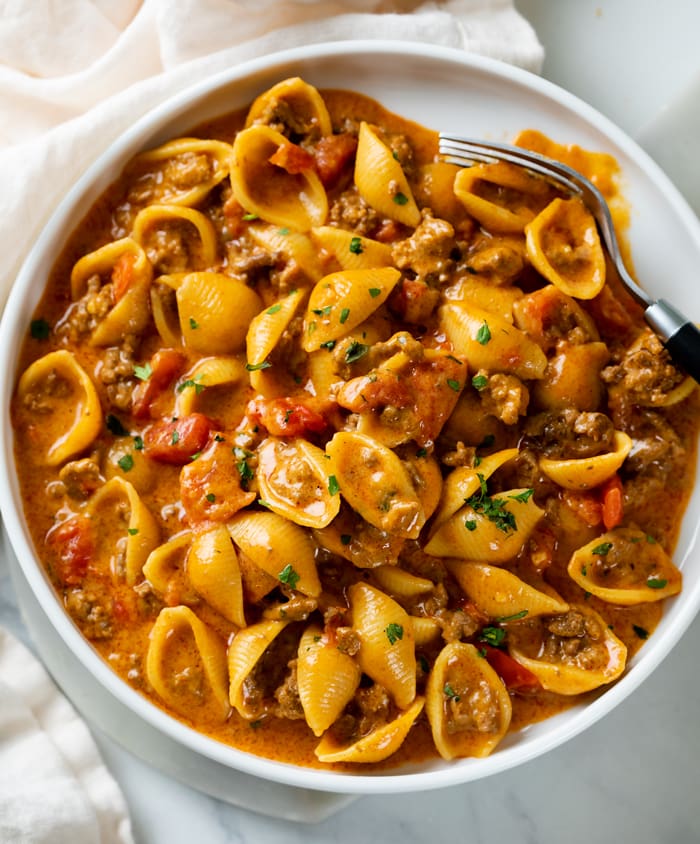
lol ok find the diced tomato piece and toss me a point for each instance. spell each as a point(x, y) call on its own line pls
point(175, 441)
point(612, 498)
point(333, 155)
point(285, 417)
point(166, 365)
point(123, 274)
point(389, 231)
point(414, 301)
point(292, 158)
point(516, 677)
point(586, 505)
point(74, 545)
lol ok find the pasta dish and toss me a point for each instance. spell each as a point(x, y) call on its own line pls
point(344, 455)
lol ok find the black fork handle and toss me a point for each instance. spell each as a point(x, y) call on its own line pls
point(680, 336)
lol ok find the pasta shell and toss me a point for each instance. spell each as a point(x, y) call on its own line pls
point(186, 665)
point(213, 571)
point(266, 329)
point(158, 163)
point(403, 584)
point(381, 181)
point(294, 481)
point(598, 658)
point(278, 547)
point(472, 535)
point(375, 484)
point(435, 190)
point(107, 505)
point(495, 299)
point(327, 679)
point(563, 245)
point(381, 743)
point(296, 97)
point(350, 250)
point(294, 246)
point(244, 653)
point(387, 648)
point(425, 630)
point(502, 594)
point(290, 200)
point(205, 377)
point(164, 309)
point(464, 481)
point(130, 312)
point(215, 312)
point(625, 566)
point(124, 461)
point(341, 301)
point(490, 342)
point(164, 569)
point(573, 378)
point(467, 705)
point(587, 472)
point(70, 397)
point(155, 216)
point(478, 188)
point(427, 480)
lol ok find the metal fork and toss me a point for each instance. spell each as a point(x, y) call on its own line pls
point(678, 334)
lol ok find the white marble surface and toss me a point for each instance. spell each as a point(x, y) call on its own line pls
point(631, 778)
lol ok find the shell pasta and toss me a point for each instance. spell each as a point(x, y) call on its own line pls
point(344, 456)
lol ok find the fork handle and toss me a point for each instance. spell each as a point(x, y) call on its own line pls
point(680, 336)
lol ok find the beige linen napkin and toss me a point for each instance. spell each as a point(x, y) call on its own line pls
point(73, 75)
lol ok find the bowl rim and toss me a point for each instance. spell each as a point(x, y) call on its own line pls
point(562, 729)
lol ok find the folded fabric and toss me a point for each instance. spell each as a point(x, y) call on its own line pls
point(54, 787)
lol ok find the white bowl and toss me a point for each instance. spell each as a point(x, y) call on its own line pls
point(443, 89)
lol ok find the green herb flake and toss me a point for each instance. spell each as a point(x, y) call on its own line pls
point(602, 549)
point(493, 636)
point(329, 344)
point(126, 463)
point(263, 503)
point(254, 367)
point(424, 664)
point(344, 314)
point(195, 456)
point(515, 617)
point(219, 439)
point(640, 631)
point(345, 538)
point(470, 524)
point(251, 216)
point(650, 539)
point(138, 442)
point(493, 508)
point(175, 439)
point(191, 382)
point(524, 496)
point(374, 292)
point(283, 231)
point(450, 693)
point(275, 309)
point(194, 325)
point(483, 335)
point(114, 426)
point(487, 441)
point(255, 725)
point(400, 198)
point(656, 582)
point(479, 382)
point(322, 311)
point(211, 498)
point(355, 351)
point(394, 632)
point(422, 452)
point(333, 485)
point(39, 329)
point(288, 576)
point(356, 246)
point(143, 373)
point(132, 531)
point(454, 385)
point(244, 471)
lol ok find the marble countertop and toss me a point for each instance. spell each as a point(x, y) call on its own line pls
point(633, 776)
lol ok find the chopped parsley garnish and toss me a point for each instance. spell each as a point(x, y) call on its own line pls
point(284, 231)
point(515, 617)
point(138, 442)
point(132, 531)
point(650, 539)
point(374, 292)
point(602, 549)
point(400, 198)
point(356, 246)
point(487, 441)
point(344, 314)
point(493, 636)
point(274, 309)
point(656, 582)
point(211, 498)
point(191, 382)
point(289, 576)
point(250, 216)
point(114, 426)
point(422, 452)
point(479, 382)
point(333, 485)
point(493, 508)
point(355, 351)
point(345, 538)
point(394, 632)
point(523, 496)
point(450, 693)
point(470, 524)
point(143, 373)
point(253, 367)
point(454, 385)
point(263, 503)
point(424, 664)
point(193, 323)
point(483, 335)
point(640, 631)
point(322, 311)
point(329, 344)
point(126, 463)
point(175, 439)
point(39, 329)
point(244, 469)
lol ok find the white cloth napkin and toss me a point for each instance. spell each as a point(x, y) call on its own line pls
point(73, 75)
